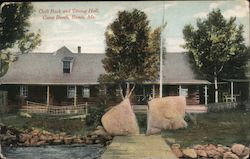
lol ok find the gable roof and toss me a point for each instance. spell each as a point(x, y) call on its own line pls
point(47, 69)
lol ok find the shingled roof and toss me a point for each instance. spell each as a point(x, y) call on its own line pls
point(47, 69)
point(178, 70)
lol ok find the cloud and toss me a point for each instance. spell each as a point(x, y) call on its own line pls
point(173, 44)
point(158, 8)
point(109, 16)
point(200, 15)
point(239, 11)
point(214, 5)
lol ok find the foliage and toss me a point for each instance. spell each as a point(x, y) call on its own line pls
point(216, 46)
point(95, 115)
point(142, 122)
point(29, 42)
point(132, 49)
point(14, 32)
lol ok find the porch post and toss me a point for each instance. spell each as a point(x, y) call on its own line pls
point(179, 90)
point(232, 91)
point(153, 91)
point(75, 95)
point(47, 95)
point(205, 94)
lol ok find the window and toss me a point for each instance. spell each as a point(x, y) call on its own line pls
point(85, 92)
point(70, 91)
point(24, 90)
point(66, 66)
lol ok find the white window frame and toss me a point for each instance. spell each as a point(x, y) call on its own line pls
point(24, 90)
point(70, 91)
point(85, 92)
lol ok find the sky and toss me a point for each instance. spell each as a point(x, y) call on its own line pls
point(73, 24)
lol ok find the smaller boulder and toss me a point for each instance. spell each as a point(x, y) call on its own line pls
point(40, 143)
point(67, 140)
point(201, 153)
point(230, 155)
point(238, 149)
point(245, 153)
point(190, 153)
point(176, 148)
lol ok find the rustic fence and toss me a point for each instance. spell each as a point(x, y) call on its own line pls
point(39, 108)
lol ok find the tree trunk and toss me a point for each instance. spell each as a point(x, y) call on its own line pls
point(216, 88)
point(121, 93)
point(128, 88)
point(130, 91)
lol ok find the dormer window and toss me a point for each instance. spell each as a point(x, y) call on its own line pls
point(66, 66)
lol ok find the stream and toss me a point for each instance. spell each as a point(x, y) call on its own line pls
point(55, 152)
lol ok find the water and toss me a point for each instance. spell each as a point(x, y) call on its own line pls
point(54, 152)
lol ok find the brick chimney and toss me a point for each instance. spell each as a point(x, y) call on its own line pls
point(79, 49)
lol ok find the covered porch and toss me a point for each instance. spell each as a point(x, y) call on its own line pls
point(52, 99)
point(231, 91)
point(195, 93)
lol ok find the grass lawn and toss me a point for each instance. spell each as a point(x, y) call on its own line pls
point(217, 128)
point(223, 128)
point(52, 124)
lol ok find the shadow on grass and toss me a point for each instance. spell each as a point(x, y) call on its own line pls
point(50, 123)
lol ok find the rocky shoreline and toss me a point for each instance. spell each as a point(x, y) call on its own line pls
point(13, 137)
point(236, 151)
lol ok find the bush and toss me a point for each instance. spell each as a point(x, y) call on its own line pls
point(95, 114)
point(142, 122)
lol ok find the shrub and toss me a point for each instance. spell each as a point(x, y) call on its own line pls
point(95, 114)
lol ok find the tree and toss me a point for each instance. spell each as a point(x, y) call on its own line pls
point(14, 31)
point(132, 50)
point(216, 46)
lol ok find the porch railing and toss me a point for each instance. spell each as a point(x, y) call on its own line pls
point(40, 108)
point(216, 107)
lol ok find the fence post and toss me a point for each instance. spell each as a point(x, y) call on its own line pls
point(86, 108)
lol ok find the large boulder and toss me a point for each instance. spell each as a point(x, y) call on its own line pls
point(120, 120)
point(166, 113)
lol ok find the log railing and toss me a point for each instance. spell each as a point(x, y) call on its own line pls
point(40, 108)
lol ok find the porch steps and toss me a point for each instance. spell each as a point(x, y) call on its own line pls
point(196, 109)
point(140, 108)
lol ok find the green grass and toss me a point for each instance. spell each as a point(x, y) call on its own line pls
point(52, 124)
point(142, 122)
point(218, 128)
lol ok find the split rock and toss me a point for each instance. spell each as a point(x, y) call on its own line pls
point(166, 113)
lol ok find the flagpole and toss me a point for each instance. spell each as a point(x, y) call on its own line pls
point(161, 50)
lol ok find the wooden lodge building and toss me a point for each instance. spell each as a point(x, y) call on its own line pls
point(64, 78)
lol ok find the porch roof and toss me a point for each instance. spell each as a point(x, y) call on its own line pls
point(237, 80)
point(47, 69)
